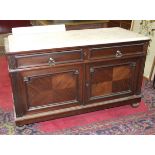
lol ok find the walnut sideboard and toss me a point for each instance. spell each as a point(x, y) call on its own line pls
point(60, 74)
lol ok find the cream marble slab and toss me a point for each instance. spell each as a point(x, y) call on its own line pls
point(18, 43)
point(38, 29)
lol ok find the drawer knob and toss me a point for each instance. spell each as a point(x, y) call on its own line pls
point(85, 53)
point(51, 62)
point(119, 54)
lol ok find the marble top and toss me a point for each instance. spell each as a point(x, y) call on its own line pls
point(38, 41)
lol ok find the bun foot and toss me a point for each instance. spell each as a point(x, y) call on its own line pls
point(135, 105)
point(21, 127)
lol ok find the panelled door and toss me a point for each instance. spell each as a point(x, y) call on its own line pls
point(52, 87)
point(110, 80)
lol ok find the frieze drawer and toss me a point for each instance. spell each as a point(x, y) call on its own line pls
point(51, 58)
point(116, 51)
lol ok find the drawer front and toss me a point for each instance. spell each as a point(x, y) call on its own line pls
point(52, 58)
point(115, 51)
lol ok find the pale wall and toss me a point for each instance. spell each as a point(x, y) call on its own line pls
point(151, 50)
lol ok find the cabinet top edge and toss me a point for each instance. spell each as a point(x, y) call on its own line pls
point(73, 38)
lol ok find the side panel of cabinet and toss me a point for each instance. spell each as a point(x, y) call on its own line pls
point(111, 79)
point(51, 89)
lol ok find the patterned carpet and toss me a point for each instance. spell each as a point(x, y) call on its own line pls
point(134, 125)
point(142, 123)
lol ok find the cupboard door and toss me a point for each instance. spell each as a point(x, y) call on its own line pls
point(53, 88)
point(110, 80)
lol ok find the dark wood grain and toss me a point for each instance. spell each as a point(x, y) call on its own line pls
point(39, 59)
point(83, 79)
point(48, 115)
point(7, 25)
point(86, 26)
point(126, 24)
point(111, 51)
point(112, 79)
